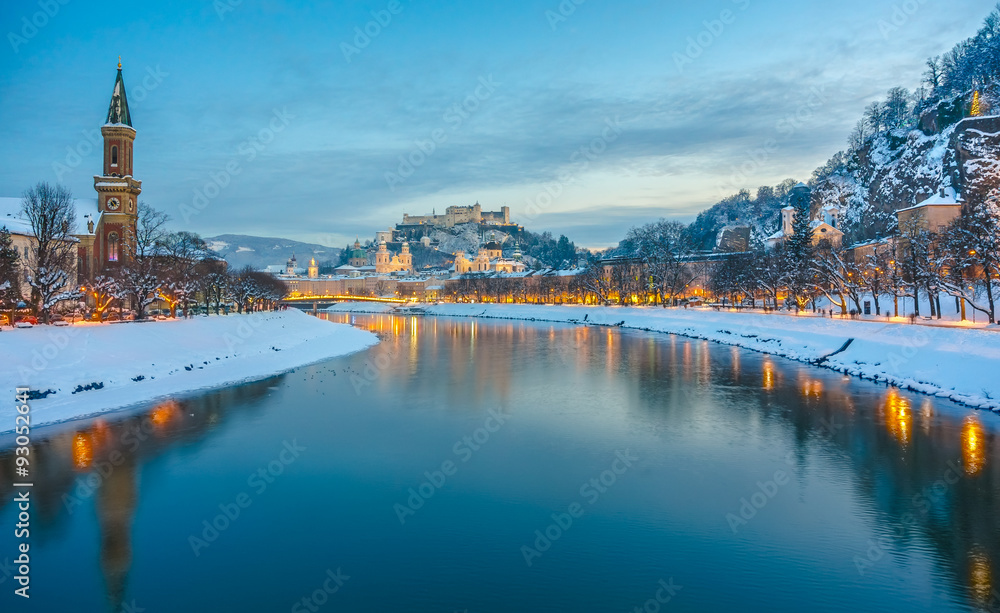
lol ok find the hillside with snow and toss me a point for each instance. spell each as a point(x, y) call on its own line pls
point(906, 148)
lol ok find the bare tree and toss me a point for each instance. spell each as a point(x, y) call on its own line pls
point(835, 275)
point(182, 254)
point(383, 288)
point(105, 290)
point(243, 288)
point(140, 273)
point(874, 273)
point(52, 259)
point(596, 281)
point(972, 244)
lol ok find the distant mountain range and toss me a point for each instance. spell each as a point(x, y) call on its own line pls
point(260, 252)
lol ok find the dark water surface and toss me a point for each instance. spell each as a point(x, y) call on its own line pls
point(616, 462)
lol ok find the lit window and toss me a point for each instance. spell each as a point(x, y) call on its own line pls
point(112, 247)
point(114, 156)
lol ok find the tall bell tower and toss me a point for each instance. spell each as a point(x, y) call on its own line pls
point(117, 191)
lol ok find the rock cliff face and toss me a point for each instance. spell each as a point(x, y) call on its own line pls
point(974, 149)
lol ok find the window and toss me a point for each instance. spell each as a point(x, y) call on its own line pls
point(114, 156)
point(112, 247)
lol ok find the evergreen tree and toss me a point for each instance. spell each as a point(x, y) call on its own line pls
point(799, 247)
point(10, 277)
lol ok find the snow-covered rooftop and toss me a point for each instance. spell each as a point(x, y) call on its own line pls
point(938, 199)
point(10, 215)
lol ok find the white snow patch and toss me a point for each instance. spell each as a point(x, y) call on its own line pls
point(175, 357)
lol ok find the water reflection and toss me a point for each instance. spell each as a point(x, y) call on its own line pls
point(930, 488)
point(896, 413)
point(974, 448)
point(96, 465)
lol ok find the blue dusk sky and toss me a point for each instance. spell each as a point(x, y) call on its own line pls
point(585, 117)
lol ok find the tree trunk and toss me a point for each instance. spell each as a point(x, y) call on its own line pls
point(989, 298)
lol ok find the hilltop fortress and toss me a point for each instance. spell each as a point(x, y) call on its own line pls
point(456, 215)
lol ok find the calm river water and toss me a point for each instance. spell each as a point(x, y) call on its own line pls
point(471, 466)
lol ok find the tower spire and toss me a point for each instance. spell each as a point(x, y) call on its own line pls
point(118, 110)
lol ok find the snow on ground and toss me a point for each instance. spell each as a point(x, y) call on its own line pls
point(956, 363)
point(141, 362)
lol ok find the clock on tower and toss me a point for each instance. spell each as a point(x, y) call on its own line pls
point(117, 189)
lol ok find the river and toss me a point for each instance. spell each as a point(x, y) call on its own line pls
point(471, 466)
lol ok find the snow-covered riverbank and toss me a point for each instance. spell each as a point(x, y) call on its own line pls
point(128, 364)
point(955, 363)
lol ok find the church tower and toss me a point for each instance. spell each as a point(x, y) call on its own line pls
point(117, 191)
point(383, 259)
point(406, 258)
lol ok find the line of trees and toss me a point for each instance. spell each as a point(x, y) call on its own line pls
point(153, 265)
point(961, 261)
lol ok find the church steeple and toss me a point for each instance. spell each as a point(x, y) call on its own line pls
point(118, 110)
point(117, 189)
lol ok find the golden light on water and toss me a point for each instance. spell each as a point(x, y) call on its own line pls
point(899, 416)
point(973, 446)
point(163, 414)
point(980, 576)
point(768, 375)
point(812, 387)
point(83, 451)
